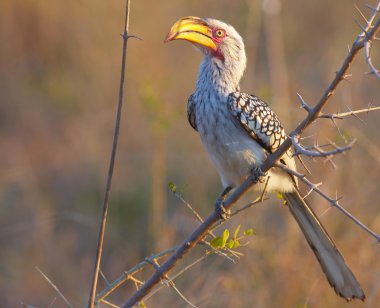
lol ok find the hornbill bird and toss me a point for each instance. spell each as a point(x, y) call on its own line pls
point(238, 131)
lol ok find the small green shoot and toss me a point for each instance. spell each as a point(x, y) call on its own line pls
point(248, 232)
point(220, 241)
point(224, 241)
point(172, 187)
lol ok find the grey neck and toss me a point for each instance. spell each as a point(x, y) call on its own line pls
point(216, 76)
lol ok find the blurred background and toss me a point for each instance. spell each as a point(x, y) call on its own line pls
point(59, 76)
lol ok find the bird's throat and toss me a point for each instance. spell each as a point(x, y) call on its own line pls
point(214, 77)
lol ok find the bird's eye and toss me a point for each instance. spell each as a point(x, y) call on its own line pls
point(220, 33)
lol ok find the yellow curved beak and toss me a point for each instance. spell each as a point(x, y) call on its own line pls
point(192, 29)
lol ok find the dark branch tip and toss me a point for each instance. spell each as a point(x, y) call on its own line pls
point(135, 37)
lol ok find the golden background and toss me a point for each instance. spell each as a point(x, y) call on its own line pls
point(59, 75)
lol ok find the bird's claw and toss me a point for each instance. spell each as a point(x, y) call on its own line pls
point(221, 210)
point(258, 174)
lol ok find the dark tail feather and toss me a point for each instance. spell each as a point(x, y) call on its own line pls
point(337, 272)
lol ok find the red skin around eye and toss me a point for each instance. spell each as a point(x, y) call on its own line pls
point(216, 38)
point(218, 54)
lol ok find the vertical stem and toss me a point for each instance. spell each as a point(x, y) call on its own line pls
point(111, 164)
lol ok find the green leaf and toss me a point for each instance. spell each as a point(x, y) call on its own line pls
point(217, 242)
point(142, 304)
point(248, 232)
point(280, 196)
point(236, 243)
point(220, 241)
point(230, 243)
point(237, 231)
point(225, 236)
point(172, 187)
point(233, 243)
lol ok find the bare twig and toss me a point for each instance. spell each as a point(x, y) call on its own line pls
point(111, 164)
point(109, 304)
point(169, 282)
point(373, 9)
point(55, 288)
point(247, 206)
point(361, 14)
point(104, 277)
point(374, 12)
point(315, 112)
point(188, 205)
point(368, 42)
point(185, 269)
point(367, 52)
point(52, 302)
point(218, 251)
point(333, 202)
point(111, 287)
point(316, 151)
point(127, 275)
point(312, 189)
point(260, 199)
point(172, 285)
point(304, 105)
point(304, 164)
point(210, 232)
point(342, 115)
point(135, 280)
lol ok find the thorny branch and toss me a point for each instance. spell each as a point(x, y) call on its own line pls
point(368, 43)
point(368, 34)
point(316, 151)
point(110, 304)
point(315, 112)
point(177, 275)
point(367, 51)
point(99, 248)
point(170, 283)
point(210, 232)
point(342, 115)
point(333, 202)
point(129, 274)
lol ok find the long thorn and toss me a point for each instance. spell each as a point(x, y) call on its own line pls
point(55, 288)
point(361, 14)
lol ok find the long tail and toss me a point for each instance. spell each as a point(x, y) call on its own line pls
point(337, 272)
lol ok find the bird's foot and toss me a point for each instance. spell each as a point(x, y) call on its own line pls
point(219, 204)
point(221, 210)
point(259, 174)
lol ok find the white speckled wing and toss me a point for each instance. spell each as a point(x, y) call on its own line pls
point(257, 119)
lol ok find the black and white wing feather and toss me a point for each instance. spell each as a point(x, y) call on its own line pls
point(258, 120)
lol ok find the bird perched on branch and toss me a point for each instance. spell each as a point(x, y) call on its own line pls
point(239, 130)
